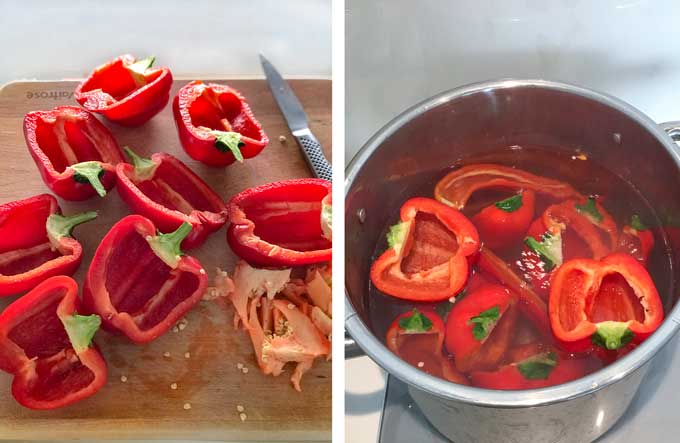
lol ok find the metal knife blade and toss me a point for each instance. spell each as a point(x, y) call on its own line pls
point(295, 115)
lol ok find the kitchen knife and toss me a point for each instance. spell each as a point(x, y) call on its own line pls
point(297, 121)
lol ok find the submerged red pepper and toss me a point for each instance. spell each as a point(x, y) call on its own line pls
point(139, 282)
point(47, 346)
point(126, 91)
point(417, 337)
point(530, 303)
point(216, 125)
point(36, 243)
point(636, 239)
point(428, 253)
point(532, 367)
point(456, 187)
point(577, 228)
point(608, 303)
point(281, 224)
point(504, 222)
point(588, 220)
point(480, 326)
point(75, 154)
point(166, 191)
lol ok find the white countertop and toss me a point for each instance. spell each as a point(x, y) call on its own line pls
point(399, 54)
point(40, 40)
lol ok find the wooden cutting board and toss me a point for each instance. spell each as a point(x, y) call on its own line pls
point(145, 406)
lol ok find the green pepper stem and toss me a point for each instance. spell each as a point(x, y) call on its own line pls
point(81, 329)
point(167, 246)
point(144, 167)
point(229, 141)
point(142, 65)
point(59, 226)
point(90, 172)
point(612, 335)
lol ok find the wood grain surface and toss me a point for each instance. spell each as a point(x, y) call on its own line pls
point(145, 406)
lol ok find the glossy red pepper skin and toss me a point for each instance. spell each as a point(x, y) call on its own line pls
point(638, 243)
point(529, 302)
point(581, 237)
point(499, 228)
point(279, 224)
point(133, 290)
point(169, 194)
point(457, 186)
point(395, 330)
point(580, 302)
point(67, 136)
point(599, 236)
point(27, 254)
point(122, 95)
point(433, 281)
point(200, 109)
point(469, 352)
point(430, 356)
point(509, 377)
point(48, 371)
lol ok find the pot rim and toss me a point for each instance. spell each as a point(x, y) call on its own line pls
point(418, 379)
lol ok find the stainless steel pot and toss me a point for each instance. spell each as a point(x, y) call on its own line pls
point(473, 120)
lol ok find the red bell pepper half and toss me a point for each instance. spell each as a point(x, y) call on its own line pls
point(480, 326)
point(428, 253)
point(636, 239)
point(456, 187)
point(530, 303)
point(280, 224)
point(607, 303)
point(533, 367)
point(577, 228)
point(216, 125)
point(506, 221)
point(36, 243)
point(126, 91)
point(139, 282)
point(588, 220)
point(166, 191)
point(48, 348)
point(417, 337)
point(75, 153)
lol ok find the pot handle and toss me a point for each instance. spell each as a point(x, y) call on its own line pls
point(672, 128)
point(352, 349)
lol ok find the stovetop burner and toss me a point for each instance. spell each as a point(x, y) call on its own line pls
point(654, 415)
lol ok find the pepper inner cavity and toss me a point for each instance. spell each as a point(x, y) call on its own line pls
point(23, 260)
point(31, 333)
point(175, 191)
point(67, 140)
point(147, 288)
point(117, 81)
point(60, 375)
point(272, 220)
point(431, 244)
point(222, 112)
point(615, 301)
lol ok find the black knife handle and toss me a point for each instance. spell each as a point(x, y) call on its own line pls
point(314, 155)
